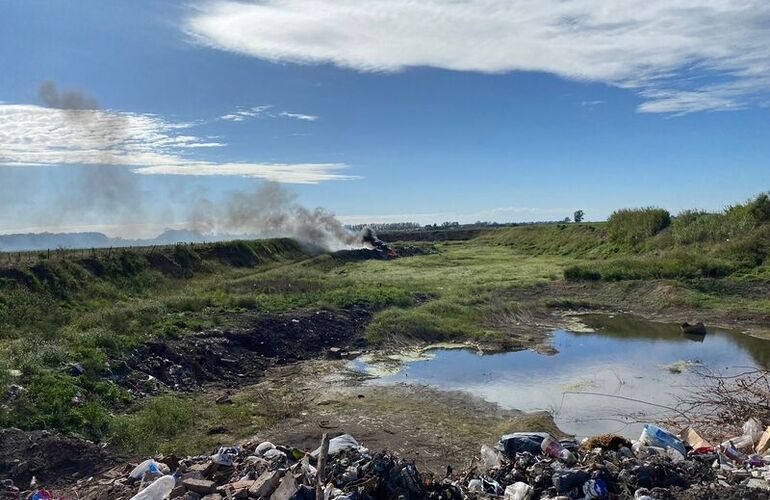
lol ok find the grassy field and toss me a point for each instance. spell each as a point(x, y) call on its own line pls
point(75, 308)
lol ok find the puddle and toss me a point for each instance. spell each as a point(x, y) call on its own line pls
point(624, 357)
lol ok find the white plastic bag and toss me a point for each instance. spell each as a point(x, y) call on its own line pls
point(518, 491)
point(753, 428)
point(489, 458)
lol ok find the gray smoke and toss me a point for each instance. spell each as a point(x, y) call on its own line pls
point(99, 190)
point(71, 99)
point(272, 211)
point(110, 193)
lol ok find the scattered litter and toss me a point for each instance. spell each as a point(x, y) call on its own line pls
point(526, 466)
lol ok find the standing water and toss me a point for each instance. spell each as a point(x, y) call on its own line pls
point(606, 380)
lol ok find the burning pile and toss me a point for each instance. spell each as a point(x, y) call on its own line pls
point(370, 241)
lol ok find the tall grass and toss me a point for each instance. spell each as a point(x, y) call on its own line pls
point(694, 244)
point(631, 226)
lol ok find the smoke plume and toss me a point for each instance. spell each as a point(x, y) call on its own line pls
point(102, 188)
point(272, 211)
point(71, 99)
point(109, 192)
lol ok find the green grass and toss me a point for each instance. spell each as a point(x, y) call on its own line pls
point(93, 309)
point(98, 316)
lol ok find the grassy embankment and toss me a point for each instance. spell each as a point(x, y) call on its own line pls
point(69, 308)
point(715, 261)
point(59, 310)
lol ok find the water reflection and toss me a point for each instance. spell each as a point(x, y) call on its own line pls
point(593, 383)
point(632, 327)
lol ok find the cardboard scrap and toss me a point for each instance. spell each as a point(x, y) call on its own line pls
point(691, 438)
point(764, 442)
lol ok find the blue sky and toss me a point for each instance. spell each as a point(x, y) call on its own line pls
point(380, 110)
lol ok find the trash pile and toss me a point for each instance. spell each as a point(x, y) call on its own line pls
point(523, 466)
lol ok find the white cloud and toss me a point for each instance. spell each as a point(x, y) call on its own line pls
point(33, 135)
point(670, 51)
point(299, 116)
point(295, 173)
point(265, 112)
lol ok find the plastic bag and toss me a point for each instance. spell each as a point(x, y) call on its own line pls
point(475, 486)
point(594, 488)
point(518, 491)
point(489, 458)
point(341, 443)
point(753, 428)
point(652, 435)
point(566, 480)
point(225, 456)
point(517, 442)
point(263, 447)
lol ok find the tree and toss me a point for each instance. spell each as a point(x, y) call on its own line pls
point(578, 216)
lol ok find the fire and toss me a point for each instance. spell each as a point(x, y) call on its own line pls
point(370, 240)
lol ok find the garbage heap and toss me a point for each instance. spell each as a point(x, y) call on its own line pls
point(523, 466)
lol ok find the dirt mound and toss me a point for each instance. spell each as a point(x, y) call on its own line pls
point(230, 357)
point(52, 458)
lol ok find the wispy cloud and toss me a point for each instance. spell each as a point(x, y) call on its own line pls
point(680, 56)
point(292, 173)
point(33, 135)
point(265, 112)
point(299, 116)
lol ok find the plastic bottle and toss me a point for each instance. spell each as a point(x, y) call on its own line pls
point(745, 443)
point(553, 448)
point(158, 490)
point(148, 465)
point(732, 453)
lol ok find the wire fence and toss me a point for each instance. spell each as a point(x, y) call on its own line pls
point(20, 259)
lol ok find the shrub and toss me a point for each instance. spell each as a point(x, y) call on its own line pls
point(581, 273)
point(759, 208)
point(693, 226)
point(632, 226)
point(673, 266)
point(750, 250)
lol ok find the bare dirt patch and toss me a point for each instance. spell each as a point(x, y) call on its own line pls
point(235, 357)
point(52, 458)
